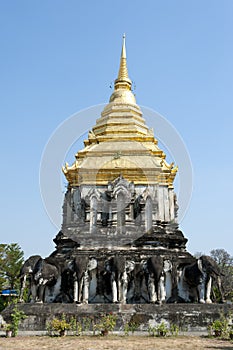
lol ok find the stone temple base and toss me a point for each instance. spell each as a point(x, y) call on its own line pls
point(189, 317)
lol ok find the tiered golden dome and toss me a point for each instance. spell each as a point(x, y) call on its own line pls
point(120, 143)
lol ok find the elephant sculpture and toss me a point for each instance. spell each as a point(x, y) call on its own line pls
point(196, 280)
point(155, 279)
point(137, 278)
point(26, 272)
point(82, 269)
point(45, 276)
point(119, 270)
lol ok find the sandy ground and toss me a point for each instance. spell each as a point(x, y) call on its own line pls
point(112, 342)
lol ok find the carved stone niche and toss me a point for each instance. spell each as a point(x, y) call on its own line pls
point(125, 213)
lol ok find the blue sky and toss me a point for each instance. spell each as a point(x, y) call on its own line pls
point(59, 57)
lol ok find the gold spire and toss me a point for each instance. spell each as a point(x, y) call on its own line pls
point(122, 87)
point(123, 81)
point(120, 143)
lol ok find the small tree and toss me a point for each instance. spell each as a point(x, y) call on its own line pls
point(11, 261)
point(225, 263)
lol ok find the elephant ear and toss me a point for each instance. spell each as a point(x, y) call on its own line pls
point(29, 265)
point(92, 264)
point(53, 262)
point(167, 265)
point(210, 265)
point(129, 266)
point(155, 263)
point(144, 265)
point(80, 264)
point(119, 263)
point(108, 265)
point(38, 266)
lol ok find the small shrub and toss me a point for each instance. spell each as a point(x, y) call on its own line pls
point(16, 317)
point(106, 324)
point(174, 330)
point(152, 331)
point(79, 328)
point(130, 327)
point(219, 328)
point(86, 324)
point(58, 325)
point(162, 329)
point(73, 325)
point(49, 329)
point(7, 327)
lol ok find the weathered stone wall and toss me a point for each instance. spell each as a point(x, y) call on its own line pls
point(189, 317)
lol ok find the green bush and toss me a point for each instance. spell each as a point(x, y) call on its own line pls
point(106, 323)
point(174, 329)
point(219, 328)
point(130, 327)
point(58, 325)
point(161, 330)
point(16, 317)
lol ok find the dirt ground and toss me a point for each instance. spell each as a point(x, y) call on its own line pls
point(112, 342)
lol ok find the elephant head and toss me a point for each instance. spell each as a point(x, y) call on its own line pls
point(210, 271)
point(197, 279)
point(26, 271)
point(45, 275)
point(119, 269)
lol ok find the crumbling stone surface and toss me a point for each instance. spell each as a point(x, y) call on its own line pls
point(190, 317)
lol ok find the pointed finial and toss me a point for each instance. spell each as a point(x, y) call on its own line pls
point(123, 51)
point(123, 81)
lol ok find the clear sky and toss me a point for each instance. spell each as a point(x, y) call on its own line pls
point(59, 57)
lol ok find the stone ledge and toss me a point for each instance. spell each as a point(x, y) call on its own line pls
point(189, 317)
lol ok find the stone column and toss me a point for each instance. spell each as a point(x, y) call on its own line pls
point(148, 214)
point(166, 204)
point(171, 203)
point(93, 214)
point(161, 202)
point(67, 209)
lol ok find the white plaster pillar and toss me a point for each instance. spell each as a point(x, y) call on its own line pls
point(171, 203)
point(93, 213)
point(161, 203)
point(156, 209)
point(148, 214)
point(166, 204)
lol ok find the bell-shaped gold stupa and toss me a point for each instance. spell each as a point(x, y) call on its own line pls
point(121, 144)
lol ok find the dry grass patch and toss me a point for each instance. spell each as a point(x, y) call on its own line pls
point(112, 342)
